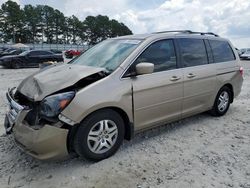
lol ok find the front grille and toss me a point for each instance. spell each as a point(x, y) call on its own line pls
point(32, 118)
point(23, 100)
point(15, 108)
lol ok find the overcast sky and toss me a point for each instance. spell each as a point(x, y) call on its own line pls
point(228, 18)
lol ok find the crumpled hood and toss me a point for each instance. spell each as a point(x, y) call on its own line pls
point(53, 79)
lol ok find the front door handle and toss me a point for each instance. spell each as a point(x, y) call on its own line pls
point(191, 75)
point(175, 78)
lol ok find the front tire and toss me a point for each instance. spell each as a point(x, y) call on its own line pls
point(7, 125)
point(100, 135)
point(222, 102)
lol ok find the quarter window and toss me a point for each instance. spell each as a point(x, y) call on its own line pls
point(39, 53)
point(161, 54)
point(221, 51)
point(45, 53)
point(35, 53)
point(193, 52)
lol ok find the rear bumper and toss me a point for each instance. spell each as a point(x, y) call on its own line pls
point(44, 143)
point(237, 89)
point(245, 58)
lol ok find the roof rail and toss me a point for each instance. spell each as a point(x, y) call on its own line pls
point(188, 32)
point(173, 31)
point(205, 33)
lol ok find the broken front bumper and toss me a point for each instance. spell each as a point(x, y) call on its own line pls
point(45, 143)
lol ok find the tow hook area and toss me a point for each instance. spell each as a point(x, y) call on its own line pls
point(8, 128)
point(46, 143)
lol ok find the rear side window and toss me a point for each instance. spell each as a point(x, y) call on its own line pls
point(193, 52)
point(35, 53)
point(45, 53)
point(221, 51)
point(209, 52)
point(40, 53)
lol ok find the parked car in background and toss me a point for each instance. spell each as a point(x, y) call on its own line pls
point(2, 49)
point(71, 53)
point(31, 58)
point(6, 50)
point(244, 50)
point(245, 56)
point(55, 51)
point(120, 87)
point(11, 51)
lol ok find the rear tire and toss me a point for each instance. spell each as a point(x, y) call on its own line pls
point(15, 65)
point(100, 135)
point(222, 102)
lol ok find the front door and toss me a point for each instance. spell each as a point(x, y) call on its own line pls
point(158, 96)
point(32, 59)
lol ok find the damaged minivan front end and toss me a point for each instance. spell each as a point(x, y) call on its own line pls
point(42, 140)
point(35, 108)
point(51, 111)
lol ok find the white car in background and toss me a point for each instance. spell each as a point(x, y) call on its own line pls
point(244, 50)
point(245, 56)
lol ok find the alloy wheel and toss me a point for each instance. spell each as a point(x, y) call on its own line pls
point(102, 136)
point(223, 101)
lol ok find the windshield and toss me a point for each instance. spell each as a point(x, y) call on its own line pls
point(24, 53)
point(108, 54)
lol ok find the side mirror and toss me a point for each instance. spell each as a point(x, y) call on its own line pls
point(144, 68)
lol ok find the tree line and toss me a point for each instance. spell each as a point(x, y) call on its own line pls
point(44, 24)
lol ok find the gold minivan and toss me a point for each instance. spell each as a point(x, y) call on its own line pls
point(120, 87)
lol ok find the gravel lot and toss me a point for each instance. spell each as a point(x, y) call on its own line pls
point(201, 151)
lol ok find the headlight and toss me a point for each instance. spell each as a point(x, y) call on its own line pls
point(51, 106)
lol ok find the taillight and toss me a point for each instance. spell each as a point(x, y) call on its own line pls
point(241, 71)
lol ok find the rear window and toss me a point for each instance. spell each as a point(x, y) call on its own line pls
point(193, 52)
point(222, 51)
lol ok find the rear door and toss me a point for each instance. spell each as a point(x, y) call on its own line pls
point(227, 62)
point(46, 56)
point(158, 96)
point(199, 76)
point(32, 60)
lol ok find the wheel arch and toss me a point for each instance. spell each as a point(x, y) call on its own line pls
point(230, 86)
point(129, 127)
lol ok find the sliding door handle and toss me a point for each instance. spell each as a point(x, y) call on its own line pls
point(191, 75)
point(175, 78)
